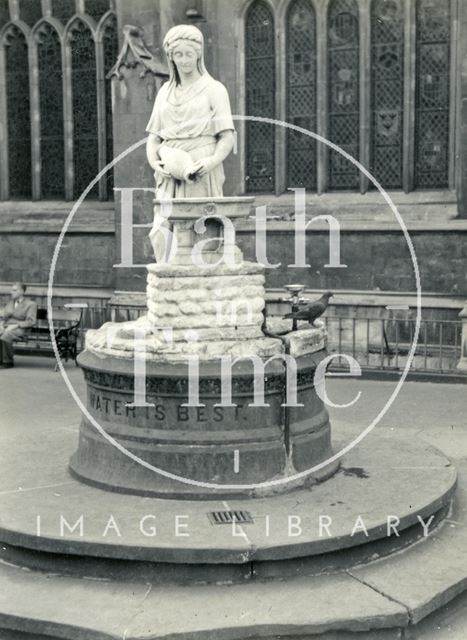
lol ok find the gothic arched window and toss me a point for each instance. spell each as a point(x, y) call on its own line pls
point(18, 114)
point(387, 91)
point(301, 94)
point(260, 97)
point(343, 98)
point(432, 94)
point(84, 99)
point(49, 56)
point(110, 44)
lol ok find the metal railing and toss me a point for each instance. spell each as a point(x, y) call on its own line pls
point(94, 317)
point(385, 344)
point(376, 343)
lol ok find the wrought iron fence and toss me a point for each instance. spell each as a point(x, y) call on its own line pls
point(385, 344)
point(376, 343)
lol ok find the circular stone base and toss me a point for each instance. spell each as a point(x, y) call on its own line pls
point(382, 482)
point(241, 446)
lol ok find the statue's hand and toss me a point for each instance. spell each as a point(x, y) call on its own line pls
point(204, 165)
point(158, 166)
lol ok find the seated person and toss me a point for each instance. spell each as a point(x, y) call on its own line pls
point(17, 317)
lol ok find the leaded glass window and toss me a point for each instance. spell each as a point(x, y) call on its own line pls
point(343, 93)
point(18, 114)
point(110, 42)
point(432, 94)
point(30, 11)
point(387, 91)
point(97, 8)
point(4, 12)
point(63, 9)
point(51, 112)
point(260, 97)
point(301, 94)
point(84, 93)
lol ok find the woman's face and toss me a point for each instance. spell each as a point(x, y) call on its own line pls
point(185, 58)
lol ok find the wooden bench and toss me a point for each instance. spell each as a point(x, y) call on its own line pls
point(67, 325)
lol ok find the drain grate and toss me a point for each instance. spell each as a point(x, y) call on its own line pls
point(230, 517)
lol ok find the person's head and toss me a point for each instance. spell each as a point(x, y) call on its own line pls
point(183, 45)
point(18, 290)
point(185, 57)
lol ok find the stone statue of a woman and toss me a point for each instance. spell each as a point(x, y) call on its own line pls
point(191, 125)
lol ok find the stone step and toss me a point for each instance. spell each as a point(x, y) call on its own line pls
point(377, 601)
point(76, 608)
point(379, 477)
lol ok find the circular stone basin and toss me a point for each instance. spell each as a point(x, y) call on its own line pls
point(252, 449)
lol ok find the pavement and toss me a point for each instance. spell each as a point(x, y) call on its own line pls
point(34, 402)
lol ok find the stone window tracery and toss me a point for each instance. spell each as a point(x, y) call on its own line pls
point(301, 94)
point(51, 112)
point(57, 107)
point(84, 101)
point(387, 91)
point(343, 92)
point(432, 94)
point(18, 113)
point(110, 46)
point(260, 97)
point(373, 77)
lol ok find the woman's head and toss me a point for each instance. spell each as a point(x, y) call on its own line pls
point(183, 45)
point(185, 56)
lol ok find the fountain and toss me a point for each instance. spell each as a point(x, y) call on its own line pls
point(197, 507)
point(212, 310)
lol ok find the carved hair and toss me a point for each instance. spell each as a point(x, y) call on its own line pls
point(189, 34)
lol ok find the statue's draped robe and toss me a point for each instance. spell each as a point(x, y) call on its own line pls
point(190, 119)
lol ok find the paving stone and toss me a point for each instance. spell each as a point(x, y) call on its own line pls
point(432, 572)
point(379, 595)
point(49, 604)
point(377, 479)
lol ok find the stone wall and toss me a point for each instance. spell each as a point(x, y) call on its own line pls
point(376, 260)
point(84, 259)
point(377, 255)
point(29, 234)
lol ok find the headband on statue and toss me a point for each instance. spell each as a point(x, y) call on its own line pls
point(183, 32)
point(190, 35)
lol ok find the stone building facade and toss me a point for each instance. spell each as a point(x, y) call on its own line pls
point(383, 79)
